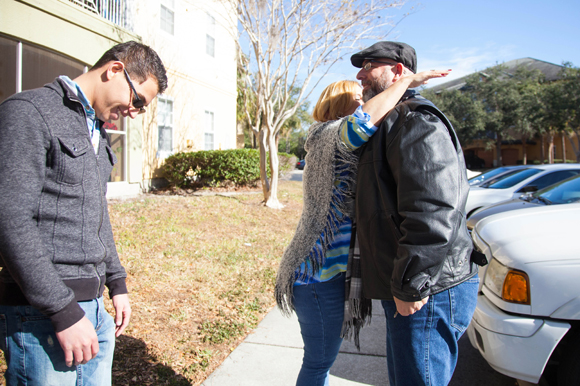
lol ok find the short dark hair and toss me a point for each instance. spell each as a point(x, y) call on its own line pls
point(141, 62)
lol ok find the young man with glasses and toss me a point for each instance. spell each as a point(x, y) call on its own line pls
point(414, 246)
point(57, 251)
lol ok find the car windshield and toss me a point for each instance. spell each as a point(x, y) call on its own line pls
point(487, 175)
point(513, 179)
point(563, 192)
point(500, 177)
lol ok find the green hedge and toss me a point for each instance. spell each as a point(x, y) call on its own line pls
point(219, 167)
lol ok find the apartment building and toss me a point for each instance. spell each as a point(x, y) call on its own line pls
point(42, 39)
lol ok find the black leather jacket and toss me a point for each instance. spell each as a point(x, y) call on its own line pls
point(410, 203)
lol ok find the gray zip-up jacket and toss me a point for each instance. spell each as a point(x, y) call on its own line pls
point(56, 241)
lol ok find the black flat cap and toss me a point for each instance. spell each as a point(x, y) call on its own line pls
point(399, 52)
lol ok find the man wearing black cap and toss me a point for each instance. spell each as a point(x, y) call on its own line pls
point(414, 245)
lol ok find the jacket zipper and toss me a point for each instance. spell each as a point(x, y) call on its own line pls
point(100, 199)
point(100, 217)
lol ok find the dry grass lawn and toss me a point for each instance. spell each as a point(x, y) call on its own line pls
point(201, 273)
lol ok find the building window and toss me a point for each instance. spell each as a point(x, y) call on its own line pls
point(31, 67)
point(167, 16)
point(209, 131)
point(7, 68)
point(209, 36)
point(118, 138)
point(165, 127)
point(40, 66)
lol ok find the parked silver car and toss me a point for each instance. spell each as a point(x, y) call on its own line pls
point(529, 179)
point(492, 173)
point(563, 192)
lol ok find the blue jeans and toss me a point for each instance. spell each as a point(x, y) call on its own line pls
point(422, 348)
point(320, 310)
point(33, 353)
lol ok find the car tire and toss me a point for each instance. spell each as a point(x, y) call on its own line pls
point(568, 369)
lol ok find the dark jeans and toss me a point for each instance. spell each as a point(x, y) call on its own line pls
point(422, 348)
point(320, 310)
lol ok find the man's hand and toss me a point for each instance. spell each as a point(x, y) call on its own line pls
point(122, 313)
point(409, 308)
point(79, 342)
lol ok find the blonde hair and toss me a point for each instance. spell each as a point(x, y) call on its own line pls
point(335, 100)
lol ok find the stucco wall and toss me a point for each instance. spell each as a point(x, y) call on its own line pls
point(197, 81)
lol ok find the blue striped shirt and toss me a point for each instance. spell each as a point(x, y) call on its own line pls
point(355, 131)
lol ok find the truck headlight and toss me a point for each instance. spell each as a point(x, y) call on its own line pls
point(509, 284)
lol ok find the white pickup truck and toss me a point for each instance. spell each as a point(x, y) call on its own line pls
point(527, 321)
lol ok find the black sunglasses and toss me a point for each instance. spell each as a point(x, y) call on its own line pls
point(137, 103)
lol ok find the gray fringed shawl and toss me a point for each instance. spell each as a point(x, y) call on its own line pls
point(325, 152)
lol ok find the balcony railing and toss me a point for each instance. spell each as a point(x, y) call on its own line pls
point(115, 11)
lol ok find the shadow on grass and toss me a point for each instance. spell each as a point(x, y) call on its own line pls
point(133, 365)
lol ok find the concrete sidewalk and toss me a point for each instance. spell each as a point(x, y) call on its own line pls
point(272, 355)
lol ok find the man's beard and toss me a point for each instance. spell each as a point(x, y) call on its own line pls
point(376, 87)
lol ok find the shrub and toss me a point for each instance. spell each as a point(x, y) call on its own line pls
point(219, 167)
point(287, 163)
point(556, 161)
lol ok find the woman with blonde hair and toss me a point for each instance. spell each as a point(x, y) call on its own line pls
point(312, 273)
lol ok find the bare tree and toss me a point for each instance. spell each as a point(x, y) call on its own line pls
point(292, 44)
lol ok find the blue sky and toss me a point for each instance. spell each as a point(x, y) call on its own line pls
point(469, 35)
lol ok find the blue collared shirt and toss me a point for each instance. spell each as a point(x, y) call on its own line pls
point(92, 121)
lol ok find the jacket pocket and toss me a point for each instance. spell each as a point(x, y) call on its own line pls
point(72, 159)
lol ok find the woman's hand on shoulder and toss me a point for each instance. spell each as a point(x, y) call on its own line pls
point(424, 76)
